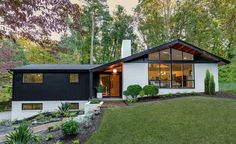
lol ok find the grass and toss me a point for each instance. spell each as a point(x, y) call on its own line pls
point(226, 86)
point(191, 120)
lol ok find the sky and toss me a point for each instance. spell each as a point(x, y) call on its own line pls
point(129, 5)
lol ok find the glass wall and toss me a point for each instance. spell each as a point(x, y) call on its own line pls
point(171, 75)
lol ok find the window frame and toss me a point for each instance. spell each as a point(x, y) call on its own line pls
point(170, 56)
point(171, 76)
point(78, 78)
point(22, 107)
point(23, 82)
point(77, 103)
point(171, 62)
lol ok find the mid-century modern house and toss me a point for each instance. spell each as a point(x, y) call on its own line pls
point(176, 66)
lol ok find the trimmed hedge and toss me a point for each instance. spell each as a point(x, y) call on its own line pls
point(133, 90)
point(150, 90)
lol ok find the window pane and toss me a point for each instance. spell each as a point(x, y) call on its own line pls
point(176, 54)
point(153, 72)
point(188, 72)
point(187, 56)
point(32, 106)
point(74, 78)
point(177, 75)
point(165, 54)
point(164, 84)
point(188, 84)
point(157, 83)
point(153, 56)
point(164, 72)
point(74, 105)
point(32, 78)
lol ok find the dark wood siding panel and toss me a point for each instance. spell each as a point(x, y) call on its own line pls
point(56, 86)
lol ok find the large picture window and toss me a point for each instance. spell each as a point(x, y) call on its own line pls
point(171, 75)
point(32, 78)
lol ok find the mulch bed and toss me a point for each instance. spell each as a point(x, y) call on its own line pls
point(222, 95)
point(84, 134)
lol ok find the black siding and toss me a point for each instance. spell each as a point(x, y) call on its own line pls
point(56, 86)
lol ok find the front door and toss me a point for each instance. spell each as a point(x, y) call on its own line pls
point(111, 84)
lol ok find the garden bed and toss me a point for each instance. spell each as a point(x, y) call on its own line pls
point(84, 133)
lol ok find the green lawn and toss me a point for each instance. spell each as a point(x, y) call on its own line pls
point(192, 120)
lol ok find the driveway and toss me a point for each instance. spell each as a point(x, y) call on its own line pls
point(5, 115)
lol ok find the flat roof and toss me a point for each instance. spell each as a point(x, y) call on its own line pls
point(55, 67)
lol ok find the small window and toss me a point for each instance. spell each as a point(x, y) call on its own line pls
point(32, 78)
point(165, 54)
point(154, 56)
point(74, 78)
point(74, 106)
point(32, 106)
point(187, 56)
point(176, 54)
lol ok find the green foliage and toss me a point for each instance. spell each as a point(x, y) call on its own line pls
point(64, 108)
point(100, 89)
point(132, 100)
point(58, 142)
point(169, 95)
point(6, 92)
point(227, 73)
point(5, 123)
point(212, 85)
point(22, 135)
point(75, 142)
point(150, 90)
point(207, 81)
point(70, 127)
point(5, 106)
point(95, 101)
point(141, 93)
point(133, 90)
point(48, 137)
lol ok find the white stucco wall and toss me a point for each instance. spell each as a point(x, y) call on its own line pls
point(48, 106)
point(137, 73)
point(134, 73)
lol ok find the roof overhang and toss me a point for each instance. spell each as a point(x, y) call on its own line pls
point(177, 44)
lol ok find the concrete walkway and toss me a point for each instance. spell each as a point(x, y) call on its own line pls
point(35, 129)
point(5, 115)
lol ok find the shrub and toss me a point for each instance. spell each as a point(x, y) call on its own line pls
point(64, 108)
point(132, 100)
point(150, 90)
point(22, 135)
point(133, 90)
point(141, 93)
point(50, 128)
point(169, 95)
point(58, 142)
point(100, 89)
point(95, 101)
point(48, 137)
point(212, 85)
point(75, 142)
point(5, 123)
point(206, 82)
point(70, 127)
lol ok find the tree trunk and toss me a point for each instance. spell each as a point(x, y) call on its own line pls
point(92, 39)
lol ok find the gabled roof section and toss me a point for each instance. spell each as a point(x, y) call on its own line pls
point(174, 44)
